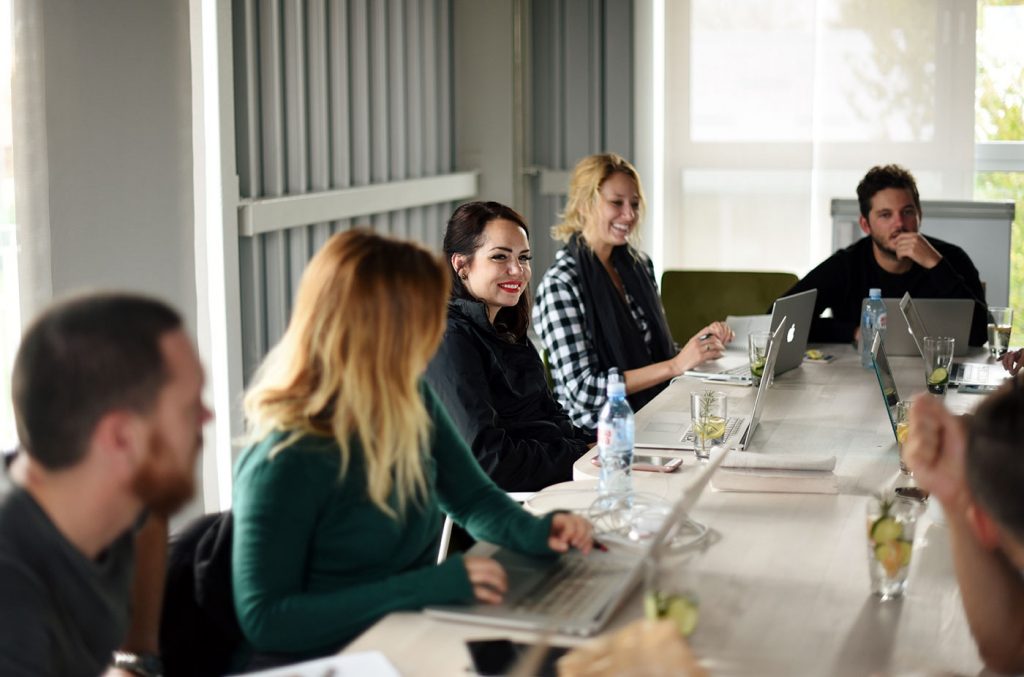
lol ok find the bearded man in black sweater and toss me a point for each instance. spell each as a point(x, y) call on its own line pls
point(895, 257)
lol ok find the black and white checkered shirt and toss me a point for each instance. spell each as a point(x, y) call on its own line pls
point(558, 317)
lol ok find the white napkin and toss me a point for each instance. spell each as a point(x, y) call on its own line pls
point(748, 460)
point(775, 481)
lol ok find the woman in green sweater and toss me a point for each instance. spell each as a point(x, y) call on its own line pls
point(338, 502)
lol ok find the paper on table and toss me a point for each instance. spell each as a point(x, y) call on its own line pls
point(743, 325)
point(362, 664)
point(775, 481)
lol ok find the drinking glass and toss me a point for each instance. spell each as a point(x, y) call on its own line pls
point(708, 414)
point(902, 428)
point(757, 350)
point(891, 521)
point(1000, 320)
point(670, 592)
point(938, 356)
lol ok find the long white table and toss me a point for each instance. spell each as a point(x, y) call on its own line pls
point(784, 584)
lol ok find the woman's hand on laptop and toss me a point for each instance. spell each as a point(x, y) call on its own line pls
point(707, 344)
point(569, 530)
point(487, 578)
point(719, 330)
point(1013, 360)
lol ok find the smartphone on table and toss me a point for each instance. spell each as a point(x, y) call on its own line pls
point(650, 462)
point(499, 656)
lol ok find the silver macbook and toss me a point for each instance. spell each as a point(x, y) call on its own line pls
point(572, 593)
point(734, 366)
point(981, 377)
point(945, 317)
point(672, 430)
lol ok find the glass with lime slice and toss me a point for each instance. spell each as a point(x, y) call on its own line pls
point(708, 420)
point(669, 591)
point(902, 430)
point(891, 521)
point(938, 358)
point(757, 350)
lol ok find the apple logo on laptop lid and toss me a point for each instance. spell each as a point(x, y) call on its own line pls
point(791, 333)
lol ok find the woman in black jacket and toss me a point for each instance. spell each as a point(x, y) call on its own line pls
point(487, 372)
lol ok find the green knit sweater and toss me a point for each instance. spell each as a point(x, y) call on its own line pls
point(314, 562)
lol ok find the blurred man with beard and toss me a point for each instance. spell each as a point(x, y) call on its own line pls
point(894, 257)
point(973, 466)
point(107, 400)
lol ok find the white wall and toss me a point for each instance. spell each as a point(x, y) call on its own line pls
point(116, 167)
point(103, 139)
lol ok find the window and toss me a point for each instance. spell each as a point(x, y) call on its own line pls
point(999, 128)
point(775, 107)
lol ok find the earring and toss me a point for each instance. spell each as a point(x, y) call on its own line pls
point(463, 276)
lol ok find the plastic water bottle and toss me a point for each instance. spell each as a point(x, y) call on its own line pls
point(615, 429)
point(872, 321)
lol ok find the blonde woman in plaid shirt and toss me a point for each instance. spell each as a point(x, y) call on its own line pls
point(598, 305)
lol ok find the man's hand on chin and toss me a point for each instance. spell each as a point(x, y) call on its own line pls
point(918, 249)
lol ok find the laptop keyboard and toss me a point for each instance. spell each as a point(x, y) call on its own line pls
point(565, 588)
point(732, 425)
point(741, 370)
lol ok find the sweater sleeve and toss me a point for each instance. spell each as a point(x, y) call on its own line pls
point(517, 458)
point(832, 280)
point(473, 500)
point(276, 509)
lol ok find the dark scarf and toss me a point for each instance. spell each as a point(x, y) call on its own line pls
point(616, 337)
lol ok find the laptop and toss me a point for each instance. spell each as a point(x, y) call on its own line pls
point(981, 377)
point(946, 317)
point(886, 381)
point(572, 593)
point(734, 366)
point(670, 430)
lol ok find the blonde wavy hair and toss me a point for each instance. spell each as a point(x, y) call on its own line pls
point(368, 316)
point(588, 176)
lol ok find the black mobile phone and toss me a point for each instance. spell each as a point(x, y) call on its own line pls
point(499, 656)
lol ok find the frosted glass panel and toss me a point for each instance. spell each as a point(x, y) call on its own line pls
point(834, 71)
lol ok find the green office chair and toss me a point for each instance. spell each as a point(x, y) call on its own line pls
point(695, 298)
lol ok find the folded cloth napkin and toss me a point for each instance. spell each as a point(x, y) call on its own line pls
point(756, 460)
point(775, 481)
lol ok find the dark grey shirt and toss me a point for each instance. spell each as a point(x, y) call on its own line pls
point(60, 612)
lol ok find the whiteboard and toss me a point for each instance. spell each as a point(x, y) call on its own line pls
point(982, 229)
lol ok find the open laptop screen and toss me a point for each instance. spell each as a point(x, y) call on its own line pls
point(914, 321)
point(774, 346)
point(886, 381)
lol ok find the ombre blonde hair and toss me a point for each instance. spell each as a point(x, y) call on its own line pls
point(369, 315)
point(588, 176)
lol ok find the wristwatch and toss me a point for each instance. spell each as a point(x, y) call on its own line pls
point(141, 664)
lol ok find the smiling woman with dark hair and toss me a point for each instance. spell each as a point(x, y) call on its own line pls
point(487, 372)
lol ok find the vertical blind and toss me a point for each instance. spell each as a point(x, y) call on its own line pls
point(581, 97)
point(333, 94)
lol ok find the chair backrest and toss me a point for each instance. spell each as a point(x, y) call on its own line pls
point(695, 298)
